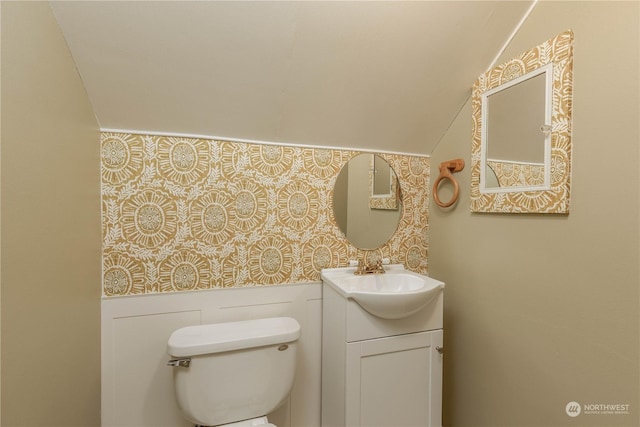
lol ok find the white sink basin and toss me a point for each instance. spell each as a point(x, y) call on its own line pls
point(395, 294)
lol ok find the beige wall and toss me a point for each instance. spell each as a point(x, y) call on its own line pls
point(541, 310)
point(50, 228)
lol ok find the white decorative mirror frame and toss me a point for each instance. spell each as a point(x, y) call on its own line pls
point(554, 59)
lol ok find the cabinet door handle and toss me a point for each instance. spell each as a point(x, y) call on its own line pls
point(439, 349)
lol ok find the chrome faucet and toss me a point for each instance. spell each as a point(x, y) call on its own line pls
point(366, 268)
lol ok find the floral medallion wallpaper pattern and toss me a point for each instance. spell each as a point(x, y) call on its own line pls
point(512, 174)
point(181, 214)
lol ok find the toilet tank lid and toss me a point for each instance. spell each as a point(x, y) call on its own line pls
point(229, 336)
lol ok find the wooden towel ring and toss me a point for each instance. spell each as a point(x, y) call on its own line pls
point(446, 169)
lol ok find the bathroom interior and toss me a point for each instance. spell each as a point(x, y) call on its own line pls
point(268, 102)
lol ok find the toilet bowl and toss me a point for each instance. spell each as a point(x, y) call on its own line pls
point(233, 374)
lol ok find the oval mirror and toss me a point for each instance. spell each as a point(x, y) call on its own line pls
point(366, 205)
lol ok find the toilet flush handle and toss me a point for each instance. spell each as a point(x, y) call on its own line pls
point(184, 362)
point(439, 349)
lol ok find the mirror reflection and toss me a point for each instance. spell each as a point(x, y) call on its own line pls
point(516, 141)
point(383, 185)
point(381, 177)
point(364, 224)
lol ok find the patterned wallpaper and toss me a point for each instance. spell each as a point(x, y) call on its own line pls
point(513, 174)
point(181, 214)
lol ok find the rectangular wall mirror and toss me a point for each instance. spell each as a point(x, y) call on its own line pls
point(521, 150)
point(516, 148)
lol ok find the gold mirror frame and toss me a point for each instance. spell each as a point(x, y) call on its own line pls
point(557, 51)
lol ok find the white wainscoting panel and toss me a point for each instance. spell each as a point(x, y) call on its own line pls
point(137, 387)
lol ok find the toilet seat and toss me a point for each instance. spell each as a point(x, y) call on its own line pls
point(253, 422)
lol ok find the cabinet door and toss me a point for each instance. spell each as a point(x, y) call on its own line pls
point(395, 381)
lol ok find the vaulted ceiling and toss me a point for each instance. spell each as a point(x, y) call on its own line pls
point(379, 75)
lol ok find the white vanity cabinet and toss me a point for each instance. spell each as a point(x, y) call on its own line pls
point(378, 371)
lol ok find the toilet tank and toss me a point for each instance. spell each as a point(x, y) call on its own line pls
point(237, 370)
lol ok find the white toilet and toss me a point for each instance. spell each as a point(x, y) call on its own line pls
point(235, 373)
